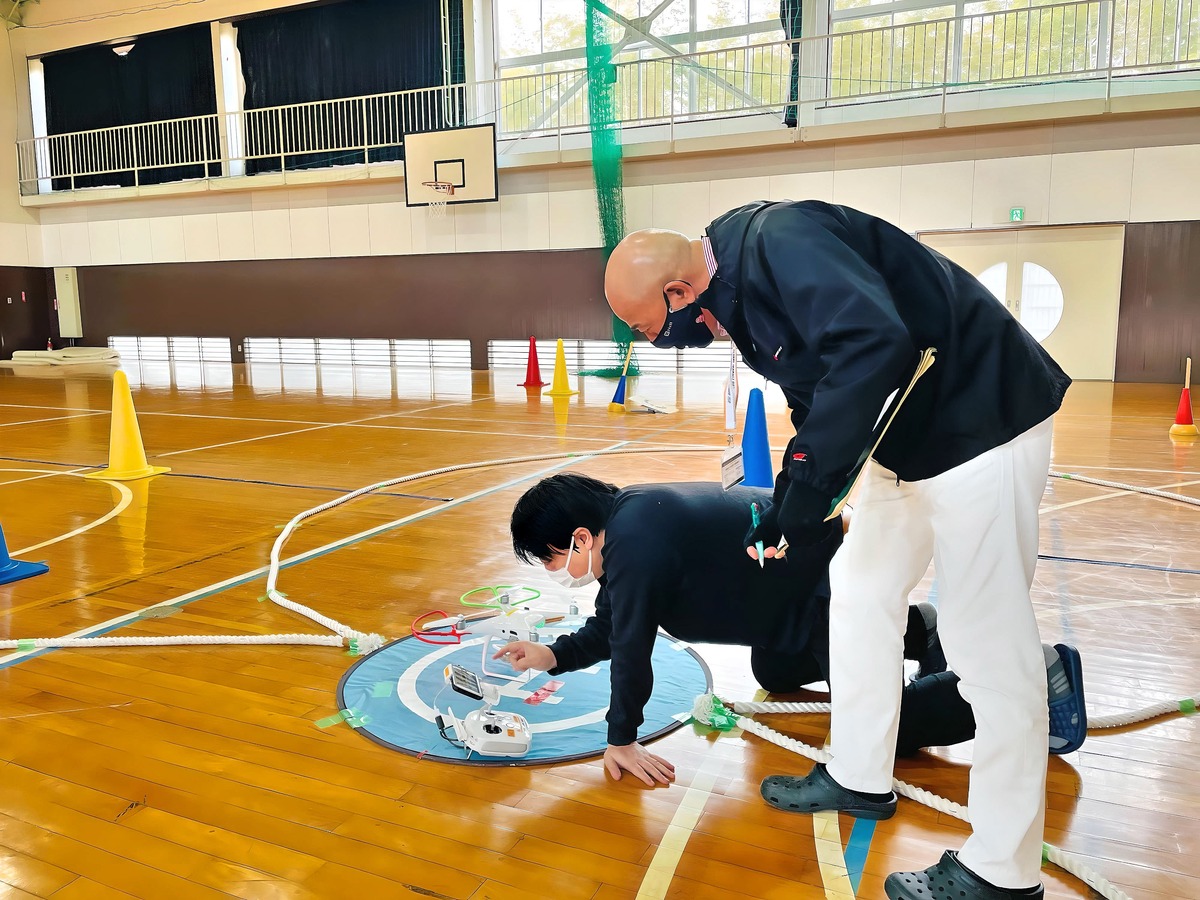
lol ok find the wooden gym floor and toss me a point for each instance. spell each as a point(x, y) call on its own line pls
point(198, 772)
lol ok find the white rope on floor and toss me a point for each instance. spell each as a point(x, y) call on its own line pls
point(706, 704)
point(359, 643)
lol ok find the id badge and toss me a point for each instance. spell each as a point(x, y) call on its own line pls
point(733, 472)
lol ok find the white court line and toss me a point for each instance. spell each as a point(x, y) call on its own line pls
point(1054, 612)
point(122, 505)
point(661, 870)
point(48, 474)
point(265, 437)
point(52, 419)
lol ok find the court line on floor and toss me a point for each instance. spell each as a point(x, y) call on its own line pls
point(82, 415)
point(661, 871)
point(122, 505)
point(237, 580)
point(265, 437)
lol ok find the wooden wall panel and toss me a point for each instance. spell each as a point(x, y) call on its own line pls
point(477, 296)
point(24, 325)
point(1159, 322)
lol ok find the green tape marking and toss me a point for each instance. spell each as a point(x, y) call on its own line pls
point(1188, 706)
point(26, 644)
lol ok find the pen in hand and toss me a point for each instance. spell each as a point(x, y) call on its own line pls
point(758, 545)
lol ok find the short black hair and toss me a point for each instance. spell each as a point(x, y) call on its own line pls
point(549, 512)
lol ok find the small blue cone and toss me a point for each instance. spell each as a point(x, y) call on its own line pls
point(13, 569)
point(756, 447)
point(618, 399)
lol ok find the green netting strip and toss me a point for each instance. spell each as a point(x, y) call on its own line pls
point(606, 163)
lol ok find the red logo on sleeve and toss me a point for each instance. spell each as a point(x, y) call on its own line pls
point(799, 457)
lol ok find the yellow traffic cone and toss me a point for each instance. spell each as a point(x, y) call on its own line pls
point(126, 455)
point(560, 387)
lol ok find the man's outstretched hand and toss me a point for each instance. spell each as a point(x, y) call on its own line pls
point(638, 761)
point(523, 655)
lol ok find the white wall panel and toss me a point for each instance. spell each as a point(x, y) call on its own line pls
point(1001, 184)
point(235, 235)
point(272, 233)
point(105, 240)
point(309, 231)
point(937, 195)
point(875, 191)
point(349, 231)
point(200, 239)
point(683, 207)
point(390, 229)
point(135, 241)
point(1166, 184)
point(166, 239)
point(525, 221)
point(1091, 187)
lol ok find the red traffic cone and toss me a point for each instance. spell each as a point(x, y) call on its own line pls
point(1184, 425)
point(533, 374)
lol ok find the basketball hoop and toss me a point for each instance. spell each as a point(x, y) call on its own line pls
point(437, 206)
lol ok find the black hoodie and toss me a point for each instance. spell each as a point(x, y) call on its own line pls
point(834, 306)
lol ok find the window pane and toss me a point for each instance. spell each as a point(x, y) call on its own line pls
point(1041, 301)
point(563, 25)
point(764, 10)
point(995, 279)
point(672, 20)
point(518, 28)
point(719, 13)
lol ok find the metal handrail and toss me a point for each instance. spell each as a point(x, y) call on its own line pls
point(943, 56)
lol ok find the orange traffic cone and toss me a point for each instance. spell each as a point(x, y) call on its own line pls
point(533, 374)
point(126, 454)
point(1184, 426)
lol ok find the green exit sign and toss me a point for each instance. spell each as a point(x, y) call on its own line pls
point(1016, 214)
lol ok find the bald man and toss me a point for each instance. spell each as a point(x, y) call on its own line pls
point(834, 306)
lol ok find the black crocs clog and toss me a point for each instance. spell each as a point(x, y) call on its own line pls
point(951, 880)
point(817, 792)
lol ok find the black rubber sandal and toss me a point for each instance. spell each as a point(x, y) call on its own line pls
point(951, 880)
point(817, 792)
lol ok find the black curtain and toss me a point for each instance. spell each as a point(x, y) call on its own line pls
point(167, 75)
point(790, 13)
point(348, 49)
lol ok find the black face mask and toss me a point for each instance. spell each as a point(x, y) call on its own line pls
point(683, 328)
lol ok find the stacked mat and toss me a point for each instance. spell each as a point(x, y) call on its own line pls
point(69, 356)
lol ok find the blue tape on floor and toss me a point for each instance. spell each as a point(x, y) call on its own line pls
point(857, 848)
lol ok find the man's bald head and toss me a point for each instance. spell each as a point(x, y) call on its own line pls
point(646, 265)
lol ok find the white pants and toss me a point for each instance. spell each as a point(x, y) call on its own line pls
point(979, 524)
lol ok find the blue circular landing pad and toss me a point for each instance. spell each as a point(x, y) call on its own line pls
point(397, 691)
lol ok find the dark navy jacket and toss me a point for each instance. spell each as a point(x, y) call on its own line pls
point(834, 306)
point(673, 559)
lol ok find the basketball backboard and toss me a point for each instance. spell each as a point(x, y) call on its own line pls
point(464, 157)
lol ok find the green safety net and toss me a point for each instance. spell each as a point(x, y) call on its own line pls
point(606, 164)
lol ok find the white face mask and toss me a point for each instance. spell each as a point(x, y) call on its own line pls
point(564, 577)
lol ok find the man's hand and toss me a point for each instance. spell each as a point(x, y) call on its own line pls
point(524, 655)
point(639, 761)
point(767, 530)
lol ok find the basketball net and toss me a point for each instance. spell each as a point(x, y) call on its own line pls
point(437, 207)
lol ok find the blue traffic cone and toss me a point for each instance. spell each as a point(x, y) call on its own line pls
point(618, 400)
point(756, 447)
point(13, 569)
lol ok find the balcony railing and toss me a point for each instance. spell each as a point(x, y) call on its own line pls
point(1100, 41)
